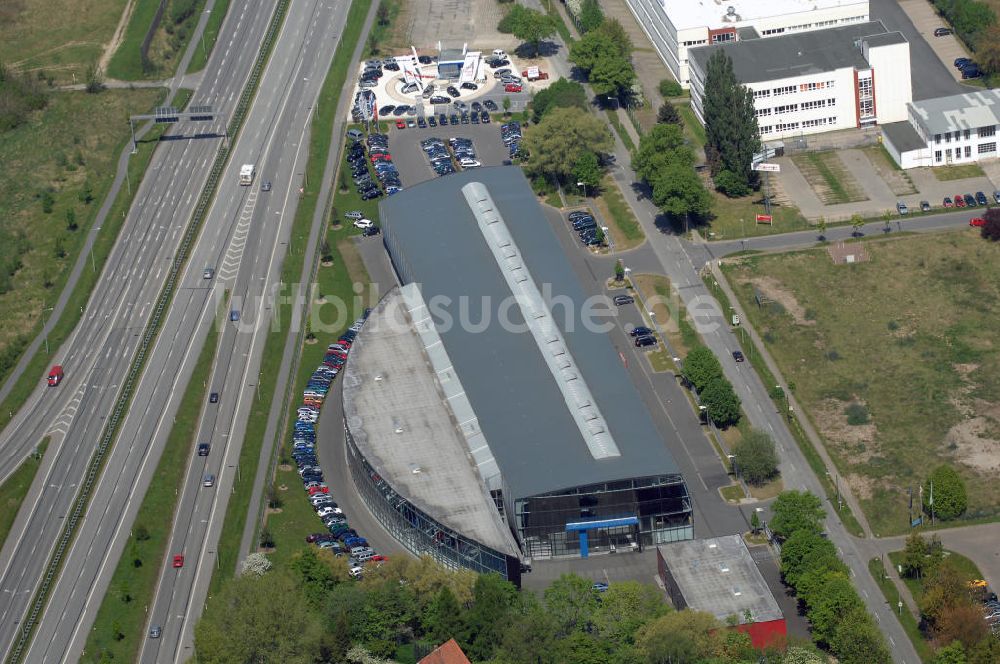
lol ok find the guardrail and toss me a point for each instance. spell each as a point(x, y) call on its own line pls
point(149, 336)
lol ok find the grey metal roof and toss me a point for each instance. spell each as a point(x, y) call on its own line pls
point(747, 32)
point(903, 136)
point(719, 576)
point(955, 112)
point(434, 239)
point(796, 54)
point(886, 39)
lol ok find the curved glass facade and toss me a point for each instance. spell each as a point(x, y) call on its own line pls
point(660, 503)
point(418, 531)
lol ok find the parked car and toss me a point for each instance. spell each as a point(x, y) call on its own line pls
point(512, 87)
point(645, 340)
point(947, 202)
point(901, 208)
point(959, 200)
point(621, 300)
point(970, 200)
point(942, 32)
point(981, 199)
point(925, 206)
point(469, 86)
point(978, 222)
point(640, 331)
point(453, 91)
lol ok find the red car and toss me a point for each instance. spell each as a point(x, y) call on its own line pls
point(56, 375)
point(977, 221)
point(400, 124)
point(947, 202)
point(178, 561)
point(512, 87)
point(960, 201)
point(318, 489)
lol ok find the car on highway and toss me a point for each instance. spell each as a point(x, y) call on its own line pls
point(265, 185)
point(203, 449)
point(155, 631)
point(213, 397)
point(178, 561)
point(738, 356)
point(55, 375)
point(208, 481)
point(208, 273)
point(978, 222)
point(234, 315)
point(623, 299)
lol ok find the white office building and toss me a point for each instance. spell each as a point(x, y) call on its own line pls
point(674, 26)
point(840, 78)
point(958, 129)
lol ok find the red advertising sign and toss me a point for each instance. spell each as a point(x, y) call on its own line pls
point(763, 218)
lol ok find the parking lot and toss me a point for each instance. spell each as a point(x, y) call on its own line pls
point(412, 163)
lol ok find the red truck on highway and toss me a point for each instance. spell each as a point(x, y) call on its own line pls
point(56, 375)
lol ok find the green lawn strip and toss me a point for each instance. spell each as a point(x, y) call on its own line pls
point(906, 619)
point(621, 214)
point(126, 64)
point(13, 491)
point(322, 126)
point(732, 493)
point(200, 57)
point(118, 629)
point(694, 128)
point(561, 27)
point(958, 172)
point(103, 244)
point(805, 445)
point(380, 30)
point(737, 217)
point(622, 133)
point(554, 200)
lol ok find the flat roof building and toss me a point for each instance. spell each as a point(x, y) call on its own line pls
point(718, 576)
point(499, 356)
point(823, 80)
point(674, 26)
point(957, 129)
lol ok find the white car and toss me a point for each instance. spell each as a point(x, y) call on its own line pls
point(470, 163)
point(356, 572)
point(325, 511)
point(307, 418)
point(363, 223)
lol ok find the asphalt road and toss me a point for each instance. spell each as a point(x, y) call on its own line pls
point(96, 358)
point(275, 132)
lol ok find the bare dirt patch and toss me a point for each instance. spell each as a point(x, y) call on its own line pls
point(775, 291)
point(972, 445)
point(855, 441)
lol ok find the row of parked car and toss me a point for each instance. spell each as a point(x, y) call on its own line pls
point(380, 159)
point(510, 133)
point(586, 228)
point(437, 155)
point(968, 68)
point(340, 537)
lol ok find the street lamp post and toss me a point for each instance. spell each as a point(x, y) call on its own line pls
point(584, 185)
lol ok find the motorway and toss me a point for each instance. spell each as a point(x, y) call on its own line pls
point(275, 133)
point(100, 350)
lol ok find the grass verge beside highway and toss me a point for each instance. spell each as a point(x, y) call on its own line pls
point(167, 47)
point(13, 491)
point(105, 241)
point(118, 629)
point(200, 57)
point(319, 146)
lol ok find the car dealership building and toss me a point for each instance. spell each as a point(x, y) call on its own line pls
point(488, 417)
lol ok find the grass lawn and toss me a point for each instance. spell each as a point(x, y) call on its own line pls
point(906, 619)
point(829, 177)
point(907, 338)
point(322, 126)
point(58, 37)
point(736, 217)
point(167, 45)
point(622, 132)
point(622, 224)
point(22, 216)
point(119, 627)
point(13, 491)
point(670, 312)
point(693, 129)
point(959, 172)
point(732, 493)
point(200, 57)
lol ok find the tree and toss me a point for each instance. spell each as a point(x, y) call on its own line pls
point(619, 270)
point(248, 621)
point(799, 549)
point(943, 590)
point(528, 25)
point(991, 229)
point(608, 42)
point(624, 608)
point(755, 522)
point(561, 94)
point(986, 651)
point(678, 636)
point(914, 555)
point(721, 403)
point(572, 601)
point(506, 106)
point(802, 655)
point(857, 640)
point(833, 604)
point(948, 494)
point(256, 564)
point(678, 191)
point(443, 619)
point(383, 16)
point(664, 144)
point(591, 17)
point(757, 457)
point(731, 184)
point(701, 367)
point(857, 221)
point(71, 224)
point(962, 623)
point(668, 114)
point(94, 78)
point(988, 49)
point(730, 125)
point(821, 228)
point(670, 88)
point(493, 601)
point(562, 137)
point(953, 653)
point(612, 75)
point(588, 171)
point(796, 510)
point(530, 635)
point(86, 195)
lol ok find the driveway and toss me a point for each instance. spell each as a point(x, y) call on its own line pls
point(926, 20)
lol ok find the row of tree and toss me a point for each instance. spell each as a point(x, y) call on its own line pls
point(665, 162)
point(950, 612)
point(311, 612)
point(731, 132)
point(822, 583)
point(704, 373)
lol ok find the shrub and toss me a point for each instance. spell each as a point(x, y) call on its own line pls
point(949, 496)
point(670, 88)
point(756, 457)
point(856, 414)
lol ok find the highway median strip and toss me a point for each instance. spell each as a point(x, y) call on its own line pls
point(148, 338)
